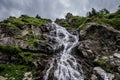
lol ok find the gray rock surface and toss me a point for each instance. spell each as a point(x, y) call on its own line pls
point(103, 74)
point(99, 44)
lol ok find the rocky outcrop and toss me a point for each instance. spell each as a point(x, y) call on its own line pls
point(99, 44)
point(28, 37)
point(102, 74)
point(24, 45)
point(28, 45)
point(98, 49)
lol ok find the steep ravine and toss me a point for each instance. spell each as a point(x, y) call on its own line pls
point(64, 64)
point(52, 53)
point(97, 52)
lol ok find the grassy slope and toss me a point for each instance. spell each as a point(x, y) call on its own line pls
point(15, 71)
point(15, 23)
point(112, 19)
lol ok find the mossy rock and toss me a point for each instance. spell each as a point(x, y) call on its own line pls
point(14, 72)
point(105, 64)
point(28, 56)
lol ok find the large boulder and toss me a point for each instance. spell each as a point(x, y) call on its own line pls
point(99, 39)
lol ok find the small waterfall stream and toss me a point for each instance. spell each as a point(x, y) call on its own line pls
point(67, 67)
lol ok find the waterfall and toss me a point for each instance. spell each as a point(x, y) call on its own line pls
point(66, 67)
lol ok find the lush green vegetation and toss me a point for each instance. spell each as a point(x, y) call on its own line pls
point(102, 16)
point(16, 23)
point(14, 72)
point(32, 38)
point(28, 56)
point(10, 51)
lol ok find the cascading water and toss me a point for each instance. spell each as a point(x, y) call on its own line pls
point(67, 67)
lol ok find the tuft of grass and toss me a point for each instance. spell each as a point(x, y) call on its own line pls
point(28, 56)
point(10, 25)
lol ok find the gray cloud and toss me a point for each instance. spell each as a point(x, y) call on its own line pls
point(53, 8)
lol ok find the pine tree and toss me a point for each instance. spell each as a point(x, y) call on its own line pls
point(37, 16)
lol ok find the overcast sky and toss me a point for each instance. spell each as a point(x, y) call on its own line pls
point(53, 8)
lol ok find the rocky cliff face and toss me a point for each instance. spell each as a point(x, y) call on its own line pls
point(23, 47)
point(98, 50)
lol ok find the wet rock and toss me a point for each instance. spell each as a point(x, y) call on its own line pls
point(61, 35)
point(103, 74)
point(71, 39)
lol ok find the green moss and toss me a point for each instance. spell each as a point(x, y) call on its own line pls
point(28, 56)
point(14, 72)
point(32, 39)
point(9, 50)
point(34, 21)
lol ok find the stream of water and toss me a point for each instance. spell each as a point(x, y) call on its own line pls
point(67, 67)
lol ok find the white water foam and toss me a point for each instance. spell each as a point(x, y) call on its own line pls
point(67, 67)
